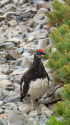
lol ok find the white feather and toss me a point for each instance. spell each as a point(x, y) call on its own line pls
point(38, 88)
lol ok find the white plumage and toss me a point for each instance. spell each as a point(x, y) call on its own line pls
point(38, 88)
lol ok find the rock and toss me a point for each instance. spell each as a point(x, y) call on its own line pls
point(30, 38)
point(54, 97)
point(14, 98)
point(16, 2)
point(42, 43)
point(40, 14)
point(42, 35)
point(1, 122)
point(19, 50)
point(42, 120)
point(3, 119)
point(5, 93)
point(11, 106)
point(3, 77)
point(2, 57)
point(41, 4)
point(7, 71)
point(9, 45)
point(23, 1)
point(1, 103)
point(14, 120)
point(29, 29)
point(13, 40)
point(38, 27)
point(26, 62)
point(19, 119)
point(12, 23)
point(48, 113)
point(45, 110)
point(12, 55)
point(2, 18)
point(61, 1)
point(57, 92)
point(4, 2)
point(10, 7)
point(5, 83)
point(47, 100)
point(12, 65)
point(8, 14)
point(33, 113)
point(25, 108)
point(31, 23)
point(19, 18)
point(1, 110)
point(15, 78)
point(19, 71)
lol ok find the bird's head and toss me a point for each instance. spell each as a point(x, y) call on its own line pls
point(40, 52)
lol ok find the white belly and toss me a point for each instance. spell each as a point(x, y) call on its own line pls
point(38, 88)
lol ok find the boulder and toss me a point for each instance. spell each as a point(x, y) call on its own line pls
point(25, 108)
point(5, 83)
point(2, 57)
point(4, 2)
point(12, 23)
point(40, 14)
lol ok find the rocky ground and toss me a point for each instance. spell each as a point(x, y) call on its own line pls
point(23, 29)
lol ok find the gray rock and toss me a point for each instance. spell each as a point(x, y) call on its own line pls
point(33, 113)
point(16, 78)
point(29, 29)
point(42, 43)
point(2, 18)
point(14, 120)
point(2, 57)
point(57, 92)
point(42, 120)
point(26, 62)
point(12, 64)
point(5, 83)
point(9, 45)
point(4, 2)
point(40, 14)
point(1, 122)
point(14, 98)
point(13, 40)
point(1, 110)
point(19, 50)
point(11, 106)
point(38, 27)
point(25, 108)
point(12, 55)
point(12, 22)
point(1, 103)
point(19, 119)
point(30, 38)
point(3, 77)
point(8, 14)
point(15, 2)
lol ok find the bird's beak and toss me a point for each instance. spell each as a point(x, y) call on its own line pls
point(44, 53)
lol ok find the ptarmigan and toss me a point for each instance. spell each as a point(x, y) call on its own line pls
point(35, 81)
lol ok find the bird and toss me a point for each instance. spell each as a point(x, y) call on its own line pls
point(34, 82)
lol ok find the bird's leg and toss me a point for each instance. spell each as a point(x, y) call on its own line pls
point(37, 102)
point(21, 97)
point(32, 105)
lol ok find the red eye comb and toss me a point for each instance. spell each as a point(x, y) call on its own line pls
point(40, 50)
